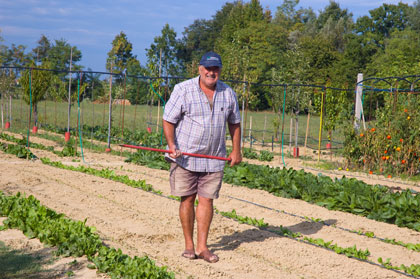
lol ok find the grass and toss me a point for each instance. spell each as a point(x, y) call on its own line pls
point(136, 117)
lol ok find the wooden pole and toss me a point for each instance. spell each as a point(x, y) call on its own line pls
point(320, 127)
point(291, 134)
point(265, 126)
point(307, 127)
point(160, 72)
point(110, 110)
point(250, 131)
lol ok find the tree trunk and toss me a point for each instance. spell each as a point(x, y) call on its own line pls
point(36, 115)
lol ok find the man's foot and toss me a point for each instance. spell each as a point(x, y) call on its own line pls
point(189, 254)
point(208, 256)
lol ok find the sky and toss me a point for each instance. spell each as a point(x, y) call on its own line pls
point(91, 25)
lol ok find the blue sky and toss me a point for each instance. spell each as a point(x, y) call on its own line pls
point(91, 25)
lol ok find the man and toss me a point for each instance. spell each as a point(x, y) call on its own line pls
point(195, 122)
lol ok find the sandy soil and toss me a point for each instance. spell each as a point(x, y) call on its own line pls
point(142, 223)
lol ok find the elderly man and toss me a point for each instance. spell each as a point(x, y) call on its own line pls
point(195, 121)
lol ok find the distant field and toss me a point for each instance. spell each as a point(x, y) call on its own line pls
point(141, 116)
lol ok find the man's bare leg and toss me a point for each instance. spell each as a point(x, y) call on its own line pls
point(204, 215)
point(187, 216)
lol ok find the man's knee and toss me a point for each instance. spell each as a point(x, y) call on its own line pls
point(190, 199)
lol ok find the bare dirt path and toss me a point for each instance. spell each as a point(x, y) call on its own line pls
point(142, 223)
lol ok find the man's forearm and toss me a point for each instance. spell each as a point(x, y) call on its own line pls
point(169, 131)
point(235, 133)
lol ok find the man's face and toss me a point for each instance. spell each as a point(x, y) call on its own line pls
point(209, 76)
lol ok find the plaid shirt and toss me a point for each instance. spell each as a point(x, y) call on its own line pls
point(198, 129)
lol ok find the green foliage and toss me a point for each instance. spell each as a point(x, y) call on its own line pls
point(18, 150)
point(244, 219)
point(73, 238)
point(348, 195)
point(120, 57)
point(266, 156)
point(391, 145)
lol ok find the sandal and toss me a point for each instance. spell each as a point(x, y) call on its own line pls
point(208, 256)
point(189, 254)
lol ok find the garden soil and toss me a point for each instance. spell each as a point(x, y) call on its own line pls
point(142, 223)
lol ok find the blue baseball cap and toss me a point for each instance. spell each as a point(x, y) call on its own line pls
point(211, 59)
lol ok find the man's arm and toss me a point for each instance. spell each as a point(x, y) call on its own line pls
point(169, 131)
point(235, 133)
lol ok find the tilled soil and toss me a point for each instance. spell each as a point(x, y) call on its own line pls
point(142, 223)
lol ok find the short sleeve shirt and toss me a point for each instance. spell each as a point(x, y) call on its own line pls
point(198, 128)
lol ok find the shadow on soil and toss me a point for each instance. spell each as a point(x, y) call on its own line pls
point(16, 264)
point(233, 241)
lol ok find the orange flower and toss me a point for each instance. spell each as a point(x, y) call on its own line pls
point(398, 148)
point(386, 151)
point(373, 130)
point(388, 137)
point(383, 158)
point(361, 134)
point(405, 110)
point(370, 172)
point(389, 176)
point(364, 161)
point(403, 162)
point(401, 140)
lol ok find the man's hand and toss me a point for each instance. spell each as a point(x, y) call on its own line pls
point(168, 130)
point(175, 153)
point(235, 158)
point(235, 133)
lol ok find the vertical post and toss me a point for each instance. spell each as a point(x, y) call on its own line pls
point(125, 92)
point(243, 115)
point(291, 134)
point(320, 126)
point(69, 108)
point(358, 102)
point(160, 73)
point(296, 134)
point(307, 126)
point(93, 113)
point(265, 126)
point(272, 143)
point(10, 108)
point(110, 112)
point(250, 131)
point(2, 108)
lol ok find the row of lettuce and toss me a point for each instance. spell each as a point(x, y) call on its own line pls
point(73, 238)
point(117, 255)
point(346, 194)
point(375, 202)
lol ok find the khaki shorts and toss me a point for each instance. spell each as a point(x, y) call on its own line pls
point(184, 182)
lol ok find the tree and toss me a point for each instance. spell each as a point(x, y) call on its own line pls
point(16, 56)
point(383, 21)
point(400, 57)
point(163, 52)
point(120, 56)
point(414, 16)
point(59, 56)
point(35, 84)
point(42, 50)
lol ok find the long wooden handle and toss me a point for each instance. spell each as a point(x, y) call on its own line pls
point(168, 151)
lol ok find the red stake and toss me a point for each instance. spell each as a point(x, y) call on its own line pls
point(168, 151)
